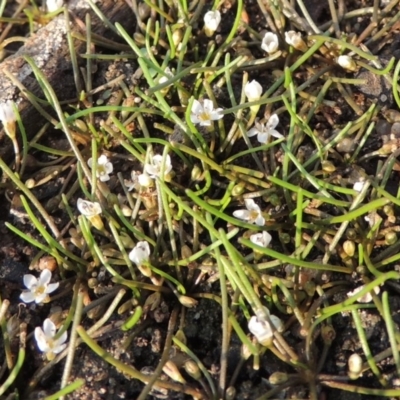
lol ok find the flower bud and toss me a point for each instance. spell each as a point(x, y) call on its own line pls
point(96, 221)
point(253, 90)
point(172, 371)
point(212, 20)
point(355, 366)
point(294, 39)
point(328, 334)
point(192, 369)
point(347, 63)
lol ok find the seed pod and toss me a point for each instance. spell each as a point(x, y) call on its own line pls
point(349, 248)
point(187, 301)
point(328, 166)
point(346, 145)
point(277, 378)
point(390, 238)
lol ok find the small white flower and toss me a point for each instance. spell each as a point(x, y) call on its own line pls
point(264, 131)
point(88, 208)
point(211, 21)
point(355, 364)
point(252, 214)
point(204, 113)
point(103, 167)
point(134, 182)
point(145, 180)
point(46, 341)
point(262, 330)
point(168, 74)
point(253, 90)
point(262, 239)
point(270, 43)
point(359, 185)
point(367, 298)
point(294, 39)
point(38, 289)
point(154, 169)
point(140, 253)
point(8, 118)
point(347, 62)
point(7, 114)
point(53, 5)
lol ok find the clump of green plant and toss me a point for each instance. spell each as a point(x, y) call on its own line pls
point(282, 221)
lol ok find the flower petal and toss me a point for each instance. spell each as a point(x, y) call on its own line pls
point(197, 108)
point(52, 287)
point(27, 296)
point(45, 277)
point(260, 220)
point(208, 106)
point(253, 131)
point(49, 328)
point(275, 134)
point(263, 137)
point(41, 340)
point(102, 160)
point(59, 349)
point(30, 280)
point(205, 122)
point(109, 168)
point(242, 214)
point(251, 205)
point(273, 121)
point(104, 178)
point(216, 114)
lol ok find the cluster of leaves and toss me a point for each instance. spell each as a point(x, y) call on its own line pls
point(314, 214)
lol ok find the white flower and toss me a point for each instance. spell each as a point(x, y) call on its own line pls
point(294, 39)
point(38, 289)
point(134, 182)
point(359, 185)
point(88, 208)
point(261, 239)
point(347, 62)
point(261, 328)
point(367, 297)
point(8, 118)
point(7, 114)
point(204, 113)
point(46, 341)
point(53, 5)
point(145, 180)
point(103, 167)
point(154, 169)
point(253, 90)
point(168, 74)
point(264, 131)
point(211, 21)
point(252, 214)
point(140, 253)
point(355, 364)
point(270, 43)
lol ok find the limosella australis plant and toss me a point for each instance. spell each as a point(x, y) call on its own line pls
point(163, 190)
